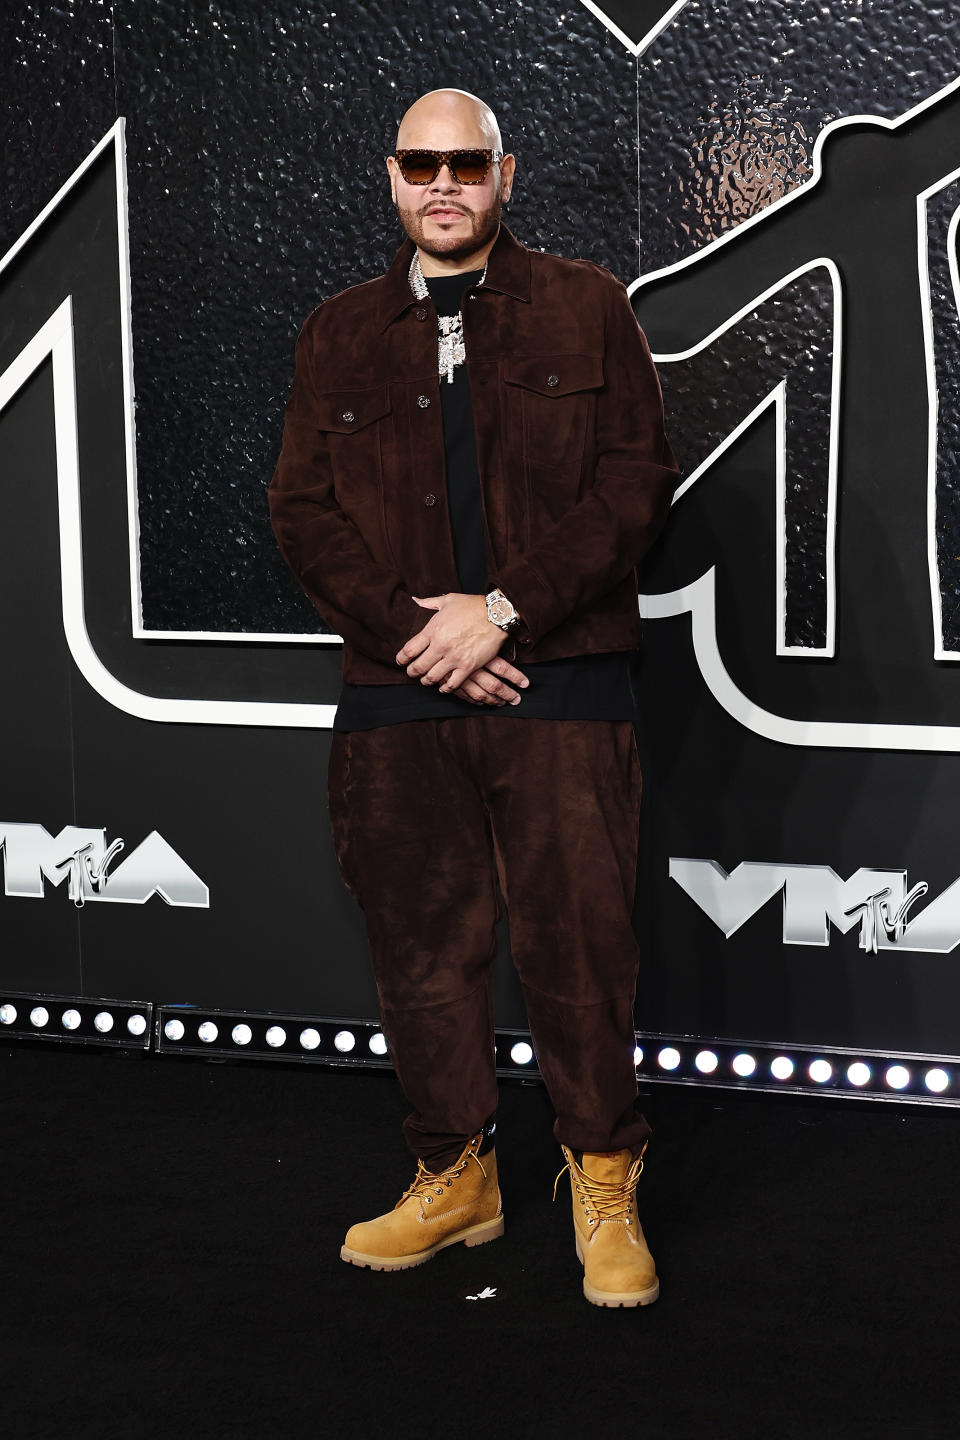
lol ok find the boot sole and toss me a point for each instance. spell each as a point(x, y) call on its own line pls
point(614, 1299)
point(474, 1235)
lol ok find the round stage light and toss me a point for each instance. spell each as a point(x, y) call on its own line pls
point(241, 1034)
point(344, 1041)
point(136, 1024)
point(669, 1058)
point(8, 1013)
point(820, 1071)
point(897, 1077)
point(521, 1053)
point(637, 1055)
point(173, 1029)
point(103, 1021)
point(378, 1044)
point(275, 1036)
point(309, 1038)
point(936, 1080)
point(744, 1065)
point(706, 1062)
point(39, 1016)
point(70, 1019)
point(208, 1032)
point(781, 1067)
point(858, 1073)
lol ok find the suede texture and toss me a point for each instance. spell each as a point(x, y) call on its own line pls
point(576, 473)
point(464, 1196)
point(426, 815)
point(618, 1268)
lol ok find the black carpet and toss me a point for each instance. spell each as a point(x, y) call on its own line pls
point(169, 1265)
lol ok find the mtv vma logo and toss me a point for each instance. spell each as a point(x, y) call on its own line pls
point(750, 330)
point(82, 858)
point(816, 897)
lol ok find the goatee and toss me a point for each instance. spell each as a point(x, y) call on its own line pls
point(484, 225)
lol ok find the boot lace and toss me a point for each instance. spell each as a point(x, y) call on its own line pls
point(604, 1199)
point(427, 1184)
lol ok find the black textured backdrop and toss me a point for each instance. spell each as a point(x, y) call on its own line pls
point(256, 146)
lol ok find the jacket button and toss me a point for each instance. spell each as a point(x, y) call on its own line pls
point(423, 401)
point(429, 499)
point(348, 417)
point(420, 314)
point(553, 379)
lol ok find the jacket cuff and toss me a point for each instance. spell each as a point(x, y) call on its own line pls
point(529, 596)
point(521, 633)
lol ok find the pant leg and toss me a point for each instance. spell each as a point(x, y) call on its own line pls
point(413, 845)
point(564, 800)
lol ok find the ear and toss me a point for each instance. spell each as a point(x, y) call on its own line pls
point(508, 167)
point(393, 170)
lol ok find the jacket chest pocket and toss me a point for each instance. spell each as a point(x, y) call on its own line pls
point(556, 394)
point(357, 426)
point(553, 399)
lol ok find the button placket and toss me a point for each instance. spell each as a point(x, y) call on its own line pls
point(430, 499)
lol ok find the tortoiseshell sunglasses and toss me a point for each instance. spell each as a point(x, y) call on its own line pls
point(468, 167)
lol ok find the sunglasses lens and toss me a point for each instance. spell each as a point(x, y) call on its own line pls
point(418, 167)
point(471, 167)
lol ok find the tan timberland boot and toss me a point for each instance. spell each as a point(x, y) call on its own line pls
point(460, 1203)
point(618, 1269)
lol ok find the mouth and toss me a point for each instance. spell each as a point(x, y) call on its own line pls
point(442, 213)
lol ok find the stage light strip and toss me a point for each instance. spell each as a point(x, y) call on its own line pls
point(674, 1059)
point(682, 1059)
point(79, 1020)
point(800, 1069)
point(246, 1035)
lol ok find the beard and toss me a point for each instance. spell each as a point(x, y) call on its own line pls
point(484, 225)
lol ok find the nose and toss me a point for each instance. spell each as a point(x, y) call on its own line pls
point(444, 179)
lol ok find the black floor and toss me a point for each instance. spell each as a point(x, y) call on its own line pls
point(169, 1267)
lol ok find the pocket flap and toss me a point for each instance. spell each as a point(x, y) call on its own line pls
point(347, 410)
point(555, 375)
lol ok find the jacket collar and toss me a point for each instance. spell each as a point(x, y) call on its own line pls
point(508, 272)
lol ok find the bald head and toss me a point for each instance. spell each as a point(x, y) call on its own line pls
point(449, 119)
point(453, 223)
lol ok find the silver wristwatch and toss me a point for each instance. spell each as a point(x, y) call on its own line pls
point(501, 612)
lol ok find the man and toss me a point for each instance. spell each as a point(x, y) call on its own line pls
point(473, 463)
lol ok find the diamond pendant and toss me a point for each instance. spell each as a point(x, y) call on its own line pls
point(450, 347)
point(451, 350)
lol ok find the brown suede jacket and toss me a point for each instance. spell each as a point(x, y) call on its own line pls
point(575, 469)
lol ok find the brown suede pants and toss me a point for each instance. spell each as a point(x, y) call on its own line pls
point(425, 815)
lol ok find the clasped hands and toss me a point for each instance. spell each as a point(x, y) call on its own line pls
point(457, 651)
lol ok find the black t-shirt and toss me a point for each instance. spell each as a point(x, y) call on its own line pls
point(580, 687)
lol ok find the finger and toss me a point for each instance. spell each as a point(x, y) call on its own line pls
point(493, 686)
point(458, 676)
point(436, 673)
point(470, 690)
point(425, 660)
point(509, 672)
point(414, 646)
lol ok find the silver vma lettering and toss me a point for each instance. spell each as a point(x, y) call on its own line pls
point(815, 897)
point(31, 855)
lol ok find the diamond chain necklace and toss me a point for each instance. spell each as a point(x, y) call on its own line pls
point(450, 347)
